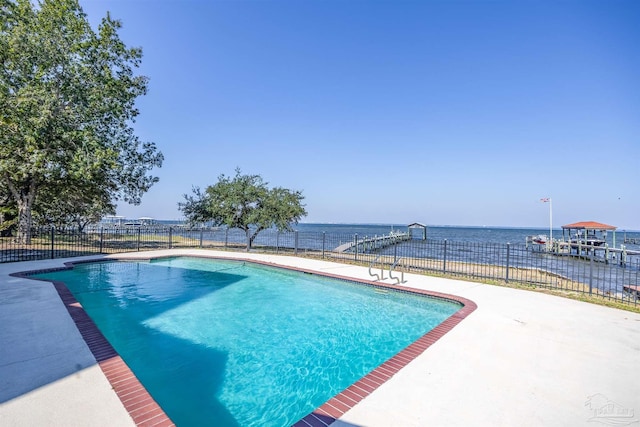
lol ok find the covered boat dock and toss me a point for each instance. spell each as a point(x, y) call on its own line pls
point(588, 233)
point(586, 240)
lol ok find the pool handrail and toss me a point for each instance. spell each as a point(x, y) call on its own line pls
point(376, 275)
point(391, 276)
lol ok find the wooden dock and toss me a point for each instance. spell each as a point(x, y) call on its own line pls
point(370, 244)
point(601, 253)
point(632, 291)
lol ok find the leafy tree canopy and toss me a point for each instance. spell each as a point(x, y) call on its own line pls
point(71, 204)
point(245, 202)
point(67, 104)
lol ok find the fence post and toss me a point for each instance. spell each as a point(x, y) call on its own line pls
point(170, 237)
point(53, 236)
point(506, 277)
point(101, 238)
point(323, 243)
point(295, 250)
point(277, 240)
point(138, 243)
point(591, 273)
point(226, 237)
point(444, 257)
point(355, 253)
point(395, 252)
point(201, 233)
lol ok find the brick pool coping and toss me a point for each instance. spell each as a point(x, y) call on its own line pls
point(145, 411)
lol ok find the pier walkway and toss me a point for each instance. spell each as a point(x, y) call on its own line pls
point(602, 253)
point(373, 243)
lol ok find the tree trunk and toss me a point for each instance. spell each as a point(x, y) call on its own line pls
point(250, 238)
point(81, 223)
point(24, 198)
point(24, 219)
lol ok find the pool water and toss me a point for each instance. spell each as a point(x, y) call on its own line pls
point(228, 343)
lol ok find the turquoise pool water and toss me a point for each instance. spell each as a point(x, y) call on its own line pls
point(229, 343)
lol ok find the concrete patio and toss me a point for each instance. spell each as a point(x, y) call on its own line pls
point(522, 358)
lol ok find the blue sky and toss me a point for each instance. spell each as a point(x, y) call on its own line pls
point(441, 112)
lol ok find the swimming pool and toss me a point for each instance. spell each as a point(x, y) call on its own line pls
point(241, 344)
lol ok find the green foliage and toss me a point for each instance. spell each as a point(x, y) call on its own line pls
point(8, 213)
point(67, 103)
point(245, 202)
point(70, 204)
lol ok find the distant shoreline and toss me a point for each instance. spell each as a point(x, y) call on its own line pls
point(499, 227)
point(543, 228)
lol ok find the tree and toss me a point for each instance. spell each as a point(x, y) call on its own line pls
point(8, 213)
point(75, 204)
point(67, 104)
point(244, 202)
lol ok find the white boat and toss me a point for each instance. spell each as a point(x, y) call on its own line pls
point(540, 239)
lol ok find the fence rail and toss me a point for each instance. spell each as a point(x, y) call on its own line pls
point(488, 261)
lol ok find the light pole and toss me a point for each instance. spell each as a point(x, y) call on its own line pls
point(548, 200)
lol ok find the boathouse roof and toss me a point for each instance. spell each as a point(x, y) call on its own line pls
point(589, 225)
point(417, 224)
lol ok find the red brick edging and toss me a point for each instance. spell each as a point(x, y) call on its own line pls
point(136, 399)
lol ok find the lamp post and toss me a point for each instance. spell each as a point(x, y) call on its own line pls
point(548, 200)
point(550, 223)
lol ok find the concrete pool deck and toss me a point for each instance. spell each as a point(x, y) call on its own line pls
point(521, 358)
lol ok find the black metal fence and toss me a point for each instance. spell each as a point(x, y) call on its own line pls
point(588, 274)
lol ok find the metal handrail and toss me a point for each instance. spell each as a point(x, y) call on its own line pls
point(381, 275)
point(391, 276)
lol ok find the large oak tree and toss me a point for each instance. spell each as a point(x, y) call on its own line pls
point(245, 202)
point(67, 105)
